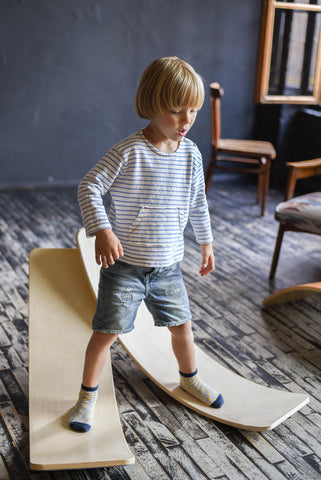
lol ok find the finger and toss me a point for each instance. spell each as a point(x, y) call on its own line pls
point(204, 265)
point(206, 269)
point(114, 255)
point(110, 259)
point(104, 261)
point(204, 272)
point(212, 266)
point(97, 255)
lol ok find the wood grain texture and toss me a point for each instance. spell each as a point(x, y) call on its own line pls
point(60, 309)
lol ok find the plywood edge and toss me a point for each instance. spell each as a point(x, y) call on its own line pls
point(79, 465)
point(305, 401)
point(292, 294)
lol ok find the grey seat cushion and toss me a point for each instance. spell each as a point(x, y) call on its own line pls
point(303, 212)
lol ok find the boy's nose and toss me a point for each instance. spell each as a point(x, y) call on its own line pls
point(186, 118)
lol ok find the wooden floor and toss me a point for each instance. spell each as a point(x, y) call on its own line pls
point(279, 346)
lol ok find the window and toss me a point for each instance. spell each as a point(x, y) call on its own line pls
point(289, 60)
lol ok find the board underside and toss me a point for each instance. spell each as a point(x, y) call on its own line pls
point(293, 294)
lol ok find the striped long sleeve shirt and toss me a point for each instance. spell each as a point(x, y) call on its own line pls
point(153, 194)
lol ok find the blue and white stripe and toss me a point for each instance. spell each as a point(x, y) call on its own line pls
point(153, 194)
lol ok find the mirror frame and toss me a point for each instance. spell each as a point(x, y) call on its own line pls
point(264, 56)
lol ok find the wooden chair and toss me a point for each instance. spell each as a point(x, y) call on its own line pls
point(244, 156)
point(298, 214)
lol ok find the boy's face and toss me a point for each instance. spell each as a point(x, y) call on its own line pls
point(174, 125)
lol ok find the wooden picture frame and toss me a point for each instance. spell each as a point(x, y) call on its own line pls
point(273, 14)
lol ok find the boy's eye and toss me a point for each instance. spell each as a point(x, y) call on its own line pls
point(177, 112)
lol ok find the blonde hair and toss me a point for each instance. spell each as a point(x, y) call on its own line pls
point(168, 83)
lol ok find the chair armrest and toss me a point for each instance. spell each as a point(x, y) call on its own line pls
point(304, 169)
point(316, 162)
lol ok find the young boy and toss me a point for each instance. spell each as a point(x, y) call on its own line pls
point(155, 179)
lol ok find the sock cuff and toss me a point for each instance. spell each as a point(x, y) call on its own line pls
point(89, 389)
point(188, 375)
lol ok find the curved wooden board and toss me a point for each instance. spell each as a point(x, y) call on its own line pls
point(292, 294)
point(60, 311)
point(247, 405)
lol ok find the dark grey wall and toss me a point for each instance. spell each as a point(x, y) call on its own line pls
point(69, 70)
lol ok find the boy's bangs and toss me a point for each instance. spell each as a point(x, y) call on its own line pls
point(187, 94)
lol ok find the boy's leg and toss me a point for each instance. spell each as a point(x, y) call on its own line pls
point(184, 350)
point(98, 348)
point(121, 290)
point(183, 347)
point(96, 355)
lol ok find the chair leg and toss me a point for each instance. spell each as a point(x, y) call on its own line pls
point(259, 188)
point(265, 186)
point(277, 251)
point(210, 170)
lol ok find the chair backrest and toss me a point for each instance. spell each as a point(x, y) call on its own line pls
point(304, 169)
point(216, 94)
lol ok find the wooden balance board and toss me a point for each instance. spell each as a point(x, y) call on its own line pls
point(247, 405)
point(61, 306)
point(292, 294)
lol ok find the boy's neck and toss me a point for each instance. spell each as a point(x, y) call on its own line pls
point(164, 144)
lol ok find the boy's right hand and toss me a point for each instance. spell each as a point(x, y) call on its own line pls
point(107, 247)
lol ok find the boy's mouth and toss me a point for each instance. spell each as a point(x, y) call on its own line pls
point(182, 133)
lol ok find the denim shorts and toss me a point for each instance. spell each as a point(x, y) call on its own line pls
point(122, 287)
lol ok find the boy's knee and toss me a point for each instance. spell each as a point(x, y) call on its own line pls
point(183, 329)
point(101, 341)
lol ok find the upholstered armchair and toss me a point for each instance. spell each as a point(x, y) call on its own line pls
point(298, 214)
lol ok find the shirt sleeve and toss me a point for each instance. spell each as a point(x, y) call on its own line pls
point(93, 187)
point(199, 213)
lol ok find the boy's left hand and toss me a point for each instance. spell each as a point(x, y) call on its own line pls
point(208, 259)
